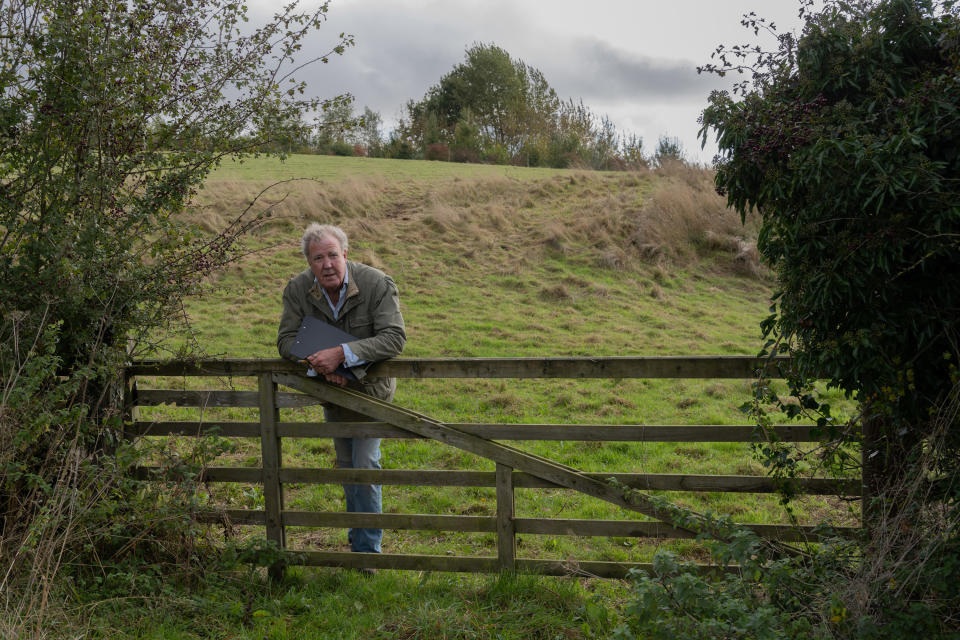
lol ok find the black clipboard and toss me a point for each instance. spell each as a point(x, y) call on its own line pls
point(314, 335)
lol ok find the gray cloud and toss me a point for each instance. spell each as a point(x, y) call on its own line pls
point(404, 47)
point(600, 71)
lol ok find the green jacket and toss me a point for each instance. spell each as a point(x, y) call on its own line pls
point(370, 313)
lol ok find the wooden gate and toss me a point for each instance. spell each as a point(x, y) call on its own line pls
point(514, 468)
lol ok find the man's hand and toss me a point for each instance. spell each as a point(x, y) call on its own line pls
point(334, 378)
point(326, 361)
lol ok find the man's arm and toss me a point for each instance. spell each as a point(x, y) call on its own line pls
point(290, 321)
point(388, 328)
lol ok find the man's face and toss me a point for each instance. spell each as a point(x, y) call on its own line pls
point(328, 262)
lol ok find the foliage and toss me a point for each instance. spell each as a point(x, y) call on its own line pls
point(494, 107)
point(845, 143)
point(903, 585)
point(111, 116)
point(854, 175)
point(668, 150)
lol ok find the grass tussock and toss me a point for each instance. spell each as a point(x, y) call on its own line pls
point(685, 217)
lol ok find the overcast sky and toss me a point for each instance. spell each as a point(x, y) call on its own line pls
point(634, 60)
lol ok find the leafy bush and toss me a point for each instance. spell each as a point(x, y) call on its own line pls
point(111, 117)
point(341, 148)
point(464, 155)
point(497, 154)
point(437, 151)
point(846, 146)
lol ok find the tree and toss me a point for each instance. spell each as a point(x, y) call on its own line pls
point(369, 135)
point(847, 144)
point(846, 141)
point(669, 149)
point(111, 116)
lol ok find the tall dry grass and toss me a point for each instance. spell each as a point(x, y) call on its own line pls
point(621, 220)
point(686, 217)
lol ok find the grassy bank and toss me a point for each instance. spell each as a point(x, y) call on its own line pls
point(495, 261)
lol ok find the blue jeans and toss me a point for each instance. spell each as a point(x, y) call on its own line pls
point(358, 453)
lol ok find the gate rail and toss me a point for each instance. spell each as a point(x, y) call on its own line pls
point(506, 524)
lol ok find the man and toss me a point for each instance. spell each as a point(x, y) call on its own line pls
point(363, 302)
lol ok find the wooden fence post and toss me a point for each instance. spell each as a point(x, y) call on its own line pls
point(506, 530)
point(270, 450)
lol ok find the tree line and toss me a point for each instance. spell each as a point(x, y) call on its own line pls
point(490, 108)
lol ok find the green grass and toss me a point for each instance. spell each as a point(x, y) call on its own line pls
point(490, 261)
point(342, 605)
point(335, 168)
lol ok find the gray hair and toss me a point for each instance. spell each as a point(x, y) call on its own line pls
point(316, 231)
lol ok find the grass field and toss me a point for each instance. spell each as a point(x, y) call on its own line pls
point(494, 261)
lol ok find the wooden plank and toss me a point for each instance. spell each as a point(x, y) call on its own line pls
point(423, 425)
point(411, 562)
point(737, 367)
point(226, 367)
point(583, 432)
point(506, 535)
point(205, 398)
point(190, 398)
point(444, 478)
point(233, 516)
point(641, 529)
point(646, 481)
point(692, 482)
point(529, 526)
point(410, 477)
point(422, 522)
point(208, 474)
point(603, 569)
point(340, 430)
point(272, 462)
point(225, 429)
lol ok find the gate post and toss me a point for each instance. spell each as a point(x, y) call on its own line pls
point(506, 530)
point(270, 452)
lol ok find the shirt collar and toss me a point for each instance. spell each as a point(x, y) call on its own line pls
point(341, 298)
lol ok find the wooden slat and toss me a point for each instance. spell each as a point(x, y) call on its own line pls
point(583, 432)
point(208, 474)
point(272, 462)
point(422, 522)
point(411, 562)
point(602, 569)
point(691, 482)
point(444, 478)
point(640, 529)
point(737, 367)
point(506, 534)
point(503, 454)
point(552, 432)
point(203, 398)
point(188, 398)
point(221, 367)
point(234, 516)
point(646, 481)
point(225, 429)
point(411, 477)
point(528, 526)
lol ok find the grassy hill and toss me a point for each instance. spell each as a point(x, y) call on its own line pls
point(501, 261)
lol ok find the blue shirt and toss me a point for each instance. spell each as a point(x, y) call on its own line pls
point(349, 358)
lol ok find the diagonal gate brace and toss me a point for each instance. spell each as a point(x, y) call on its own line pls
point(422, 425)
